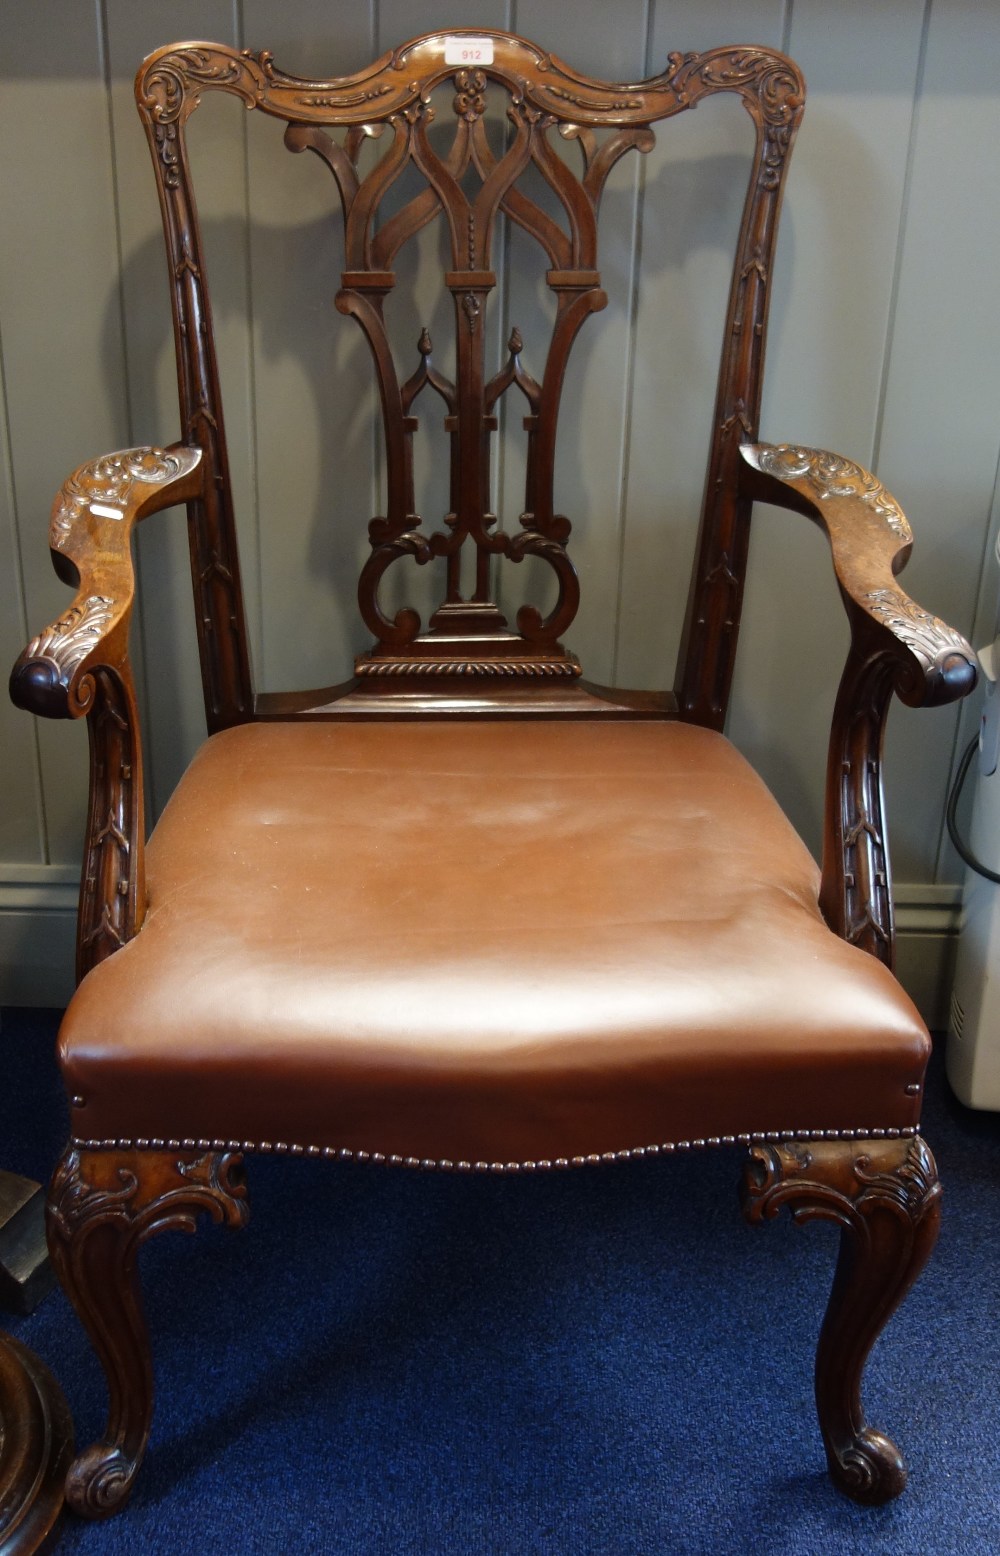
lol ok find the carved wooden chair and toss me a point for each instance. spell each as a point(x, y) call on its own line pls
point(697, 982)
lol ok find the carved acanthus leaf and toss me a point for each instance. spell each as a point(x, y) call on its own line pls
point(109, 481)
point(73, 1199)
point(830, 475)
point(470, 95)
point(773, 80)
point(345, 100)
point(69, 640)
point(911, 1185)
point(209, 1183)
point(824, 1181)
point(175, 78)
point(925, 634)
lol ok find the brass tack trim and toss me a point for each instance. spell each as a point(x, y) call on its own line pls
point(429, 1164)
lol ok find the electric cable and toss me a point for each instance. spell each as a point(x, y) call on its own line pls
point(961, 846)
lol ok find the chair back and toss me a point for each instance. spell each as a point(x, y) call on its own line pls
point(470, 131)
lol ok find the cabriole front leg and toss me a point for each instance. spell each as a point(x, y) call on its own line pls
point(103, 1205)
point(886, 1198)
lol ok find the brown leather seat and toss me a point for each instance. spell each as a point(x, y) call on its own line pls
point(652, 968)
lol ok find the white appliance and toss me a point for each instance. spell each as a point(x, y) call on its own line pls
point(973, 1048)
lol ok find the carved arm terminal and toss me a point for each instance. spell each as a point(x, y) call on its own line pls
point(80, 665)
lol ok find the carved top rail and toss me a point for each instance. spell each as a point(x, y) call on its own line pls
point(389, 109)
point(172, 79)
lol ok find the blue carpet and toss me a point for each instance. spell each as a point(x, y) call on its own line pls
point(600, 1363)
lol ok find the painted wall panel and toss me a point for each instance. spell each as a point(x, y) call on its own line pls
point(693, 185)
point(313, 382)
point(57, 262)
point(22, 822)
point(830, 318)
point(941, 427)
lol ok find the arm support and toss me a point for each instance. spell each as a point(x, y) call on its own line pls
point(896, 647)
point(80, 665)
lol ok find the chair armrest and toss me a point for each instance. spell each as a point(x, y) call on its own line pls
point(90, 540)
point(80, 665)
point(871, 542)
point(896, 646)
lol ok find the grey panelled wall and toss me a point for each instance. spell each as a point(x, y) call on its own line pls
point(884, 346)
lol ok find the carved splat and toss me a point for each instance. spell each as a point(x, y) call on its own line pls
point(467, 185)
point(103, 1205)
point(470, 402)
point(886, 1198)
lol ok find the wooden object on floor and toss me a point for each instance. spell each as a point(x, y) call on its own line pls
point(36, 1449)
point(25, 1271)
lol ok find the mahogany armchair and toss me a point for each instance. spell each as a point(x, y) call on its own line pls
point(693, 980)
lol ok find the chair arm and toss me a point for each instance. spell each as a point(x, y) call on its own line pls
point(80, 665)
point(90, 540)
point(896, 647)
point(871, 542)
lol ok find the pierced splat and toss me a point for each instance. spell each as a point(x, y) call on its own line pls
point(469, 630)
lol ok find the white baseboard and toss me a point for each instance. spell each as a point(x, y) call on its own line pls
point(38, 923)
point(927, 923)
point(37, 933)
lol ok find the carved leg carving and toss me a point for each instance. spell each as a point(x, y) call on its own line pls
point(886, 1197)
point(103, 1205)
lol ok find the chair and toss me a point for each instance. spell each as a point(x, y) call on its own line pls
point(672, 970)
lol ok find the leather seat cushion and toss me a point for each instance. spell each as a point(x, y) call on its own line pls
point(499, 941)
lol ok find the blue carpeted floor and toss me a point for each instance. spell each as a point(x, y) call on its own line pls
point(601, 1363)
